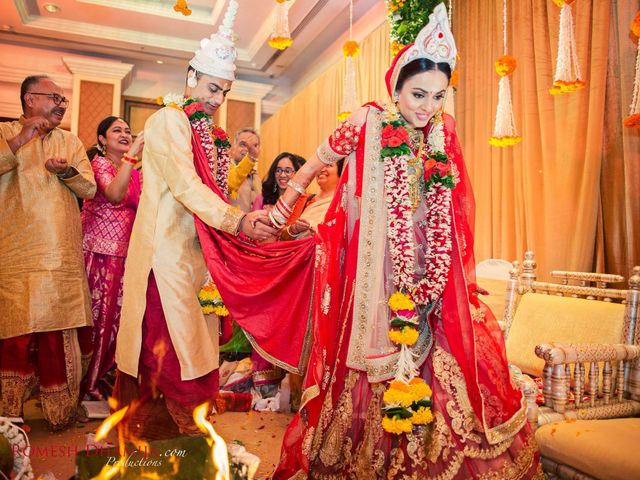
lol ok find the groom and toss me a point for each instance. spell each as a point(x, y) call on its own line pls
point(165, 345)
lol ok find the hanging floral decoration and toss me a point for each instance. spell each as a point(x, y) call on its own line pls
point(505, 133)
point(182, 7)
point(567, 77)
point(350, 49)
point(407, 401)
point(214, 139)
point(211, 301)
point(281, 38)
point(633, 120)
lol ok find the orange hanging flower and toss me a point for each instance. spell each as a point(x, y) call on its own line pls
point(182, 7)
point(280, 43)
point(632, 121)
point(560, 3)
point(505, 65)
point(560, 86)
point(350, 48)
point(635, 25)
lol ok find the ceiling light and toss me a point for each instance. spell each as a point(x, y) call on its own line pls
point(51, 7)
point(159, 62)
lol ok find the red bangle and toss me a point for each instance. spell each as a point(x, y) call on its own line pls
point(130, 159)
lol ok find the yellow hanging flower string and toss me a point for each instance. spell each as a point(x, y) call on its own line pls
point(407, 400)
point(281, 38)
point(633, 120)
point(211, 301)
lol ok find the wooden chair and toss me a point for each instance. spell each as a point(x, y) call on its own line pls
point(585, 339)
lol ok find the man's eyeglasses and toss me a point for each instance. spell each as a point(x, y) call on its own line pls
point(57, 99)
point(286, 171)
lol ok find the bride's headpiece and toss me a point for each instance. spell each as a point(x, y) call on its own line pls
point(434, 42)
point(217, 54)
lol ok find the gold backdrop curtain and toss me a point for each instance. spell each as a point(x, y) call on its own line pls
point(569, 191)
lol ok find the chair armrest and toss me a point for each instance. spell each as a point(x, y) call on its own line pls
point(606, 362)
point(529, 389)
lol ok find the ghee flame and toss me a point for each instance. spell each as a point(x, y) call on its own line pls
point(219, 454)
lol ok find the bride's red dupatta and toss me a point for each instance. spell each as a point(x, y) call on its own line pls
point(267, 288)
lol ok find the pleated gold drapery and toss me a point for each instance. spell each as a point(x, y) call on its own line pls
point(570, 190)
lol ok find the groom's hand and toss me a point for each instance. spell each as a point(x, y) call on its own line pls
point(256, 226)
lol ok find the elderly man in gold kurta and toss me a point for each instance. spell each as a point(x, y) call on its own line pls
point(165, 344)
point(44, 297)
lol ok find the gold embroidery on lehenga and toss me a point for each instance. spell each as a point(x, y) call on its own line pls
point(396, 465)
point(369, 461)
point(441, 439)
point(518, 467)
point(326, 299)
point(306, 441)
point(299, 475)
point(331, 449)
point(448, 373)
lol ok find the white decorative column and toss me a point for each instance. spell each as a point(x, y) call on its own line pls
point(97, 89)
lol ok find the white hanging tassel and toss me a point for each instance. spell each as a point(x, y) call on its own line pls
point(633, 120)
point(504, 130)
point(349, 97)
point(407, 368)
point(281, 38)
point(567, 76)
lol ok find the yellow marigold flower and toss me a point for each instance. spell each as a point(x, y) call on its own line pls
point(342, 116)
point(504, 141)
point(400, 301)
point(207, 309)
point(350, 48)
point(397, 397)
point(419, 389)
point(635, 25)
point(160, 100)
point(405, 336)
point(220, 310)
point(396, 47)
point(280, 43)
point(422, 416)
point(397, 425)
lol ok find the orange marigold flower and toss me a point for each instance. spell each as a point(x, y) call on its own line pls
point(454, 78)
point(350, 48)
point(505, 65)
point(399, 385)
point(635, 25)
point(396, 47)
point(561, 3)
point(632, 121)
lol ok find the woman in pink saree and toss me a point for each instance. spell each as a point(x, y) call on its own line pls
point(107, 220)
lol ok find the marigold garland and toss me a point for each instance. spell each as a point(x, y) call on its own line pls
point(505, 65)
point(567, 77)
point(211, 301)
point(350, 48)
point(633, 120)
point(408, 395)
point(281, 39)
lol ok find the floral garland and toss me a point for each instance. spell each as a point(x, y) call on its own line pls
point(407, 400)
point(211, 301)
point(210, 135)
point(20, 449)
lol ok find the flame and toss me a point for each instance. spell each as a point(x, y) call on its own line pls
point(219, 454)
point(160, 349)
point(110, 422)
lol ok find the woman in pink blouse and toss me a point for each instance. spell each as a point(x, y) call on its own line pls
point(107, 221)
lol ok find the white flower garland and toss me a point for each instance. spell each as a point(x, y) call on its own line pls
point(20, 449)
point(400, 225)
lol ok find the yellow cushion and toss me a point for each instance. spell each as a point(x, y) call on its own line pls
point(544, 318)
point(605, 449)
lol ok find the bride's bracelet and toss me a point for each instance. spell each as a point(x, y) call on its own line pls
point(296, 186)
